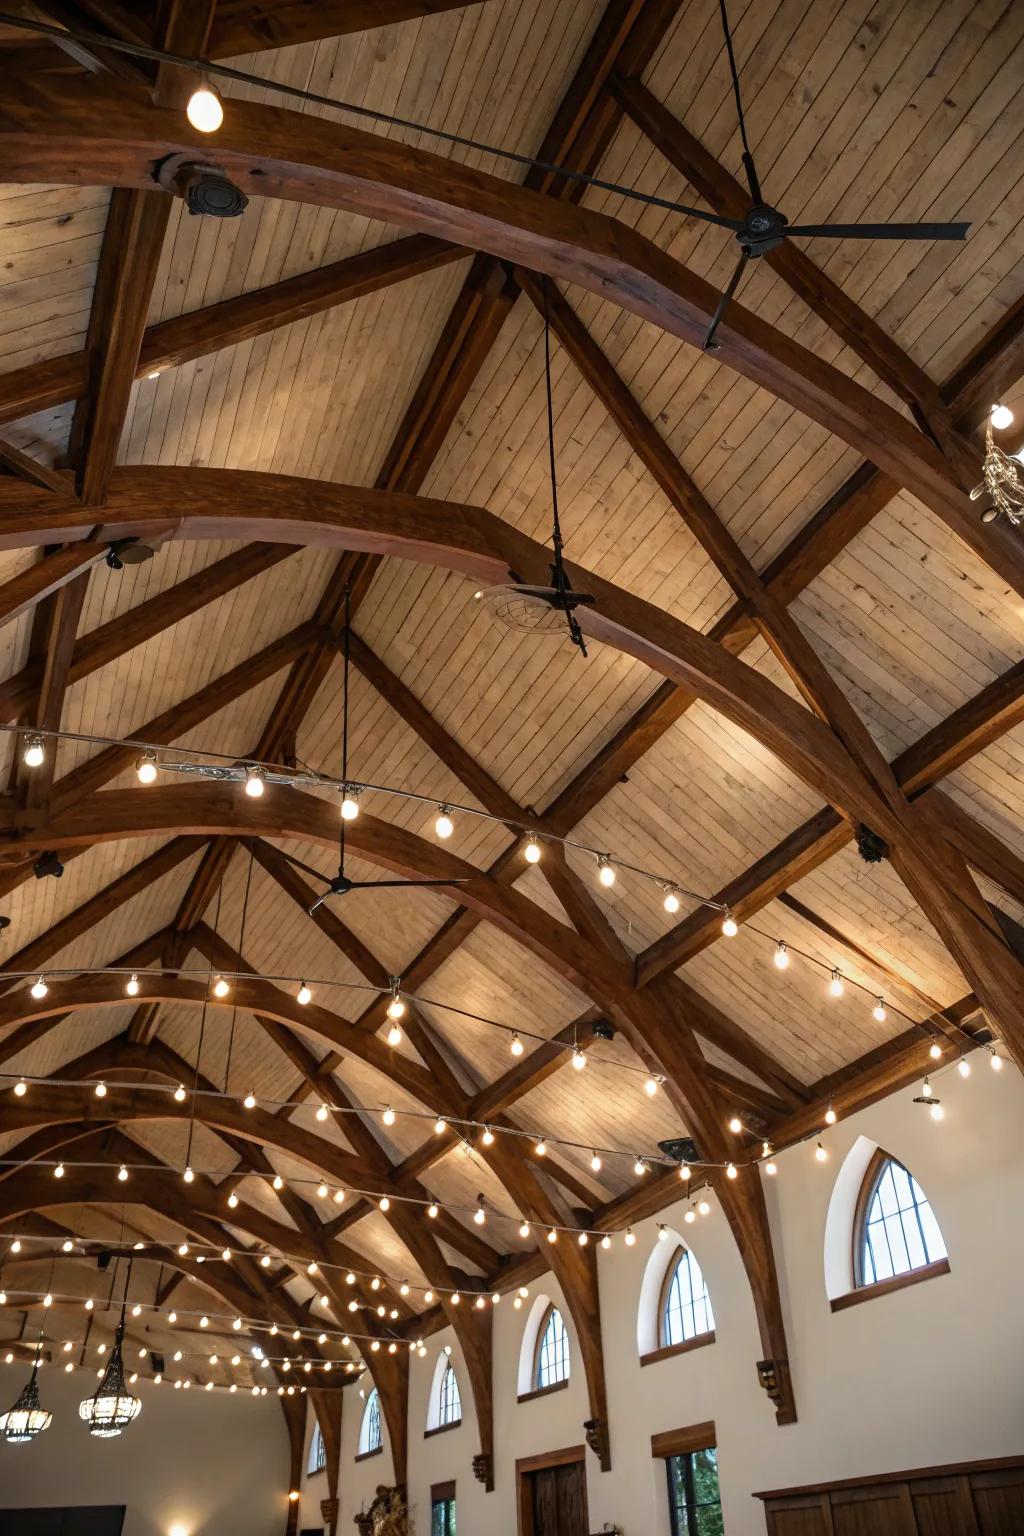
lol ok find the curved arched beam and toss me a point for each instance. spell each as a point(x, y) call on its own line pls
point(92, 133)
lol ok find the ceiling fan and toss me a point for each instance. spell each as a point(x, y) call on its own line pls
point(764, 227)
point(341, 884)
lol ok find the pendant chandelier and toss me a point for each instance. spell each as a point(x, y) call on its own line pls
point(26, 1419)
point(1003, 481)
point(111, 1408)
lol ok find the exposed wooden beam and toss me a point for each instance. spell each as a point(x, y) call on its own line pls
point(45, 578)
point(252, 26)
point(14, 462)
point(69, 138)
point(56, 624)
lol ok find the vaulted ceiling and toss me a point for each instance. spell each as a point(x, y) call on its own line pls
point(803, 627)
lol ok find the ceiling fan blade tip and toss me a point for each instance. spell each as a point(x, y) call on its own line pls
point(880, 231)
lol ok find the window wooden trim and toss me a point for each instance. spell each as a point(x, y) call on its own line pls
point(865, 1195)
point(556, 1386)
point(893, 1283)
point(441, 1429)
point(683, 1442)
point(668, 1351)
point(535, 1390)
point(678, 1254)
point(441, 1491)
point(378, 1450)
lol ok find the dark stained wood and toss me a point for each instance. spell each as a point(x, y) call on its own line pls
point(26, 468)
point(680, 1442)
point(306, 159)
point(669, 1352)
point(46, 577)
point(252, 26)
point(886, 1287)
point(55, 625)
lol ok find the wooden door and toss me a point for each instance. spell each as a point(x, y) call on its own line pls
point(553, 1500)
point(999, 1501)
point(885, 1510)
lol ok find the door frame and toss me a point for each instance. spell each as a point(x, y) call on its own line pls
point(526, 1464)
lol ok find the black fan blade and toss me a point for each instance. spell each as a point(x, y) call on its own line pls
point(882, 231)
point(375, 885)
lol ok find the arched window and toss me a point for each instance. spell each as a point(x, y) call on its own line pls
point(317, 1459)
point(369, 1431)
point(685, 1311)
point(895, 1231)
point(449, 1407)
point(551, 1362)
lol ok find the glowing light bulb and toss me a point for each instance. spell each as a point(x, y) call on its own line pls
point(132, 985)
point(935, 1050)
point(146, 768)
point(937, 1112)
point(34, 753)
point(703, 1208)
point(396, 1007)
point(277, 1182)
point(820, 1154)
point(304, 995)
point(583, 1239)
point(254, 784)
point(350, 804)
point(188, 1176)
point(232, 1200)
point(662, 1232)
point(321, 1190)
point(182, 1250)
point(595, 1163)
point(736, 1125)
point(388, 1116)
point(432, 1210)
point(516, 1046)
point(179, 1094)
point(685, 1172)
point(488, 1137)
point(524, 1229)
point(1002, 417)
point(771, 1168)
point(731, 1171)
point(651, 1086)
point(552, 1235)
point(322, 1113)
point(250, 1100)
point(579, 1058)
point(629, 1238)
point(606, 871)
point(531, 853)
point(926, 1089)
point(444, 826)
point(439, 1127)
point(339, 1197)
point(781, 956)
point(730, 927)
point(122, 1174)
point(20, 1088)
point(480, 1214)
point(220, 987)
point(58, 1172)
point(101, 1090)
point(835, 986)
point(394, 1035)
point(541, 1148)
point(671, 902)
point(830, 1116)
point(690, 1216)
point(878, 1011)
point(39, 988)
point(963, 1066)
point(384, 1204)
point(606, 1242)
point(995, 1061)
point(640, 1167)
point(205, 111)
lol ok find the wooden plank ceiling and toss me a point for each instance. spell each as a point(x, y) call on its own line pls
point(855, 111)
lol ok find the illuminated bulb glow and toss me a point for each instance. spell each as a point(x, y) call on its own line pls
point(771, 1168)
point(629, 1238)
point(703, 1208)
point(132, 986)
point(963, 1066)
point(531, 853)
point(878, 1011)
point(432, 1210)
point(384, 1203)
point(394, 1035)
point(122, 1174)
point(579, 1058)
point(651, 1086)
point(926, 1089)
point(736, 1125)
point(830, 1116)
point(516, 1046)
point(524, 1230)
point(595, 1163)
point(220, 987)
point(205, 111)
point(444, 826)
point(250, 1101)
point(232, 1200)
point(935, 1050)
point(101, 1090)
point(605, 871)
point(322, 1113)
point(731, 1171)
point(146, 769)
point(995, 1062)
point(439, 1127)
point(350, 805)
point(671, 902)
point(541, 1149)
point(58, 1172)
point(937, 1112)
point(730, 927)
point(820, 1154)
point(690, 1217)
point(20, 1088)
point(488, 1137)
point(835, 986)
point(39, 988)
point(254, 785)
point(34, 752)
point(179, 1094)
point(188, 1175)
point(278, 1182)
point(304, 995)
point(1002, 417)
point(685, 1172)
point(781, 956)
point(388, 1116)
point(396, 1008)
point(480, 1214)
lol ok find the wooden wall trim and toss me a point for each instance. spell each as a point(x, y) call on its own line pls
point(680, 1442)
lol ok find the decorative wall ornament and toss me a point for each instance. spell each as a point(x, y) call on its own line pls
point(773, 1376)
point(483, 1471)
point(596, 1432)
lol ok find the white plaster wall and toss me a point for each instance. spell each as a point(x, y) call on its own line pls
point(926, 1375)
point(213, 1464)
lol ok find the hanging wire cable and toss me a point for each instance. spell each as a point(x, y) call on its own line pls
point(241, 951)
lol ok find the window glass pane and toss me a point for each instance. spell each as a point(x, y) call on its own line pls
point(450, 1409)
point(694, 1502)
point(553, 1354)
point(900, 1232)
point(687, 1307)
point(369, 1430)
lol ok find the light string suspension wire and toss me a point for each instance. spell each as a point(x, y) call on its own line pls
point(199, 1052)
point(558, 569)
point(241, 951)
point(206, 67)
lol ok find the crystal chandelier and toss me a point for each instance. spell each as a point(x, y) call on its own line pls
point(26, 1419)
point(111, 1408)
point(1002, 482)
